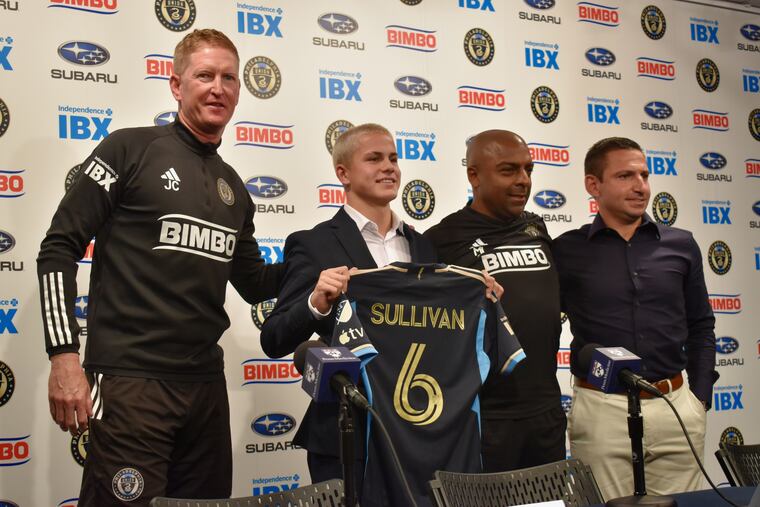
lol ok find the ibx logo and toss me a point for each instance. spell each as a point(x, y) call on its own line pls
point(750, 32)
point(751, 80)
point(540, 5)
point(271, 250)
point(338, 85)
point(541, 55)
point(86, 54)
point(83, 123)
point(14, 451)
point(158, 66)
point(8, 310)
point(726, 345)
point(11, 184)
point(6, 46)
point(757, 262)
point(598, 14)
point(728, 398)
point(658, 111)
point(252, 23)
point(415, 145)
point(661, 163)
point(664, 70)
point(486, 99)
point(716, 212)
point(600, 57)
point(552, 200)
point(340, 25)
point(549, 154)
point(275, 484)
point(704, 30)
point(713, 161)
point(415, 39)
point(264, 135)
point(413, 86)
point(269, 371)
point(331, 195)
point(752, 168)
point(728, 304)
point(478, 5)
point(709, 120)
point(603, 110)
point(91, 6)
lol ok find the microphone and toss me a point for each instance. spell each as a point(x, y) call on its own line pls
point(610, 368)
point(327, 371)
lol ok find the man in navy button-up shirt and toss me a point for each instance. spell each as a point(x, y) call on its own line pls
point(627, 281)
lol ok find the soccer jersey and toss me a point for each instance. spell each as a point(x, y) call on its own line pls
point(437, 337)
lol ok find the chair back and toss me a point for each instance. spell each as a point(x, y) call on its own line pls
point(569, 480)
point(323, 494)
point(740, 463)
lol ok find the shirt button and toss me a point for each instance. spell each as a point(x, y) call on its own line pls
point(635, 273)
point(628, 244)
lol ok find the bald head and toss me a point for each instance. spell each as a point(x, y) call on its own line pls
point(499, 167)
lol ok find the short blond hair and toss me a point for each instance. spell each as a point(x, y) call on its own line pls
point(346, 144)
point(194, 40)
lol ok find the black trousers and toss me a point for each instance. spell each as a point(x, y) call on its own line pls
point(156, 438)
point(511, 444)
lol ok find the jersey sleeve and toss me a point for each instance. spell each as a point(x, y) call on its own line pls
point(254, 280)
point(507, 352)
point(350, 333)
point(84, 210)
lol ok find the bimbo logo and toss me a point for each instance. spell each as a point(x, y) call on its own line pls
point(709, 120)
point(269, 371)
point(89, 252)
point(92, 6)
point(11, 184)
point(598, 14)
point(415, 39)
point(158, 66)
point(487, 99)
point(563, 358)
point(657, 69)
point(752, 168)
point(264, 135)
point(331, 195)
point(730, 304)
point(549, 154)
point(14, 451)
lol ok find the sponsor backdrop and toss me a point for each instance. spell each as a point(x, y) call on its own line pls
point(681, 78)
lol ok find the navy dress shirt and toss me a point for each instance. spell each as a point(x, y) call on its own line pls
point(647, 294)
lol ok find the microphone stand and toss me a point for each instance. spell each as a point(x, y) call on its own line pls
point(636, 434)
point(347, 451)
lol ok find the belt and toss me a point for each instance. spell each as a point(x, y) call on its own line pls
point(665, 386)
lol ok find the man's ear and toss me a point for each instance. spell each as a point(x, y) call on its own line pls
point(592, 185)
point(174, 86)
point(341, 171)
point(472, 176)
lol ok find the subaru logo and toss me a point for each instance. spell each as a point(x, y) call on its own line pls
point(6, 242)
point(165, 118)
point(83, 53)
point(567, 402)
point(726, 345)
point(338, 23)
point(413, 85)
point(658, 110)
point(712, 160)
point(80, 307)
point(540, 4)
point(273, 425)
point(600, 56)
point(751, 32)
point(756, 208)
point(266, 187)
point(549, 199)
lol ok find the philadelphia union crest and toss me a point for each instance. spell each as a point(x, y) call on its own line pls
point(262, 77)
point(176, 15)
point(260, 312)
point(719, 257)
point(418, 199)
point(333, 132)
point(5, 118)
point(7, 383)
point(732, 436)
point(708, 76)
point(79, 446)
point(753, 122)
point(479, 47)
point(128, 484)
point(544, 104)
point(664, 209)
point(653, 22)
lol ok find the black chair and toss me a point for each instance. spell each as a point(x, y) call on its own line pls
point(569, 480)
point(740, 463)
point(323, 494)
